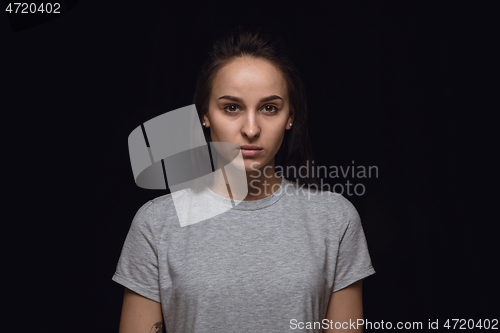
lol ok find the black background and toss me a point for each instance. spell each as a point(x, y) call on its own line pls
point(377, 76)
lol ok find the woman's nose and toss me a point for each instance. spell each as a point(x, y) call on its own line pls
point(250, 127)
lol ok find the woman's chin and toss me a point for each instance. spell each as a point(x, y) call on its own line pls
point(251, 165)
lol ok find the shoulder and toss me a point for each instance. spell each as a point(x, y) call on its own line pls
point(334, 206)
point(152, 212)
point(312, 196)
point(343, 207)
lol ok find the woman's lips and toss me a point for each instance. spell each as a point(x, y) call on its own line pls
point(250, 152)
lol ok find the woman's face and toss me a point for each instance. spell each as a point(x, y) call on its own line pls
point(249, 105)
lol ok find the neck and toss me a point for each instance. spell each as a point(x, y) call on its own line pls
point(260, 183)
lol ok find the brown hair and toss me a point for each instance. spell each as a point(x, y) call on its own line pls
point(296, 148)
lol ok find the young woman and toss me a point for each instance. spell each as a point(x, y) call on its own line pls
point(287, 257)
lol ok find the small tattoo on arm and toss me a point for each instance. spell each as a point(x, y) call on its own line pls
point(156, 327)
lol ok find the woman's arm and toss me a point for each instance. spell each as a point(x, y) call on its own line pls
point(140, 314)
point(345, 304)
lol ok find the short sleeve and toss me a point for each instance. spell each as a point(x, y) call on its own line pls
point(137, 267)
point(353, 259)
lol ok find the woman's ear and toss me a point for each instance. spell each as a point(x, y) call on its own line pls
point(289, 123)
point(206, 121)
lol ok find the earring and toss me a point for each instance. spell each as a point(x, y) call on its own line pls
point(203, 124)
point(290, 124)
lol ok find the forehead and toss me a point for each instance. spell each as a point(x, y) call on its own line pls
point(249, 76)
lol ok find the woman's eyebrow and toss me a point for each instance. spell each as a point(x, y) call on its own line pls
point(237, 99)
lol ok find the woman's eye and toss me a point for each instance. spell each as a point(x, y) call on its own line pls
point(231, 108)
point(270, 108)
point(234, 108)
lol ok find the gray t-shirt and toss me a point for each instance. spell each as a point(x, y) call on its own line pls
point(263, 266)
